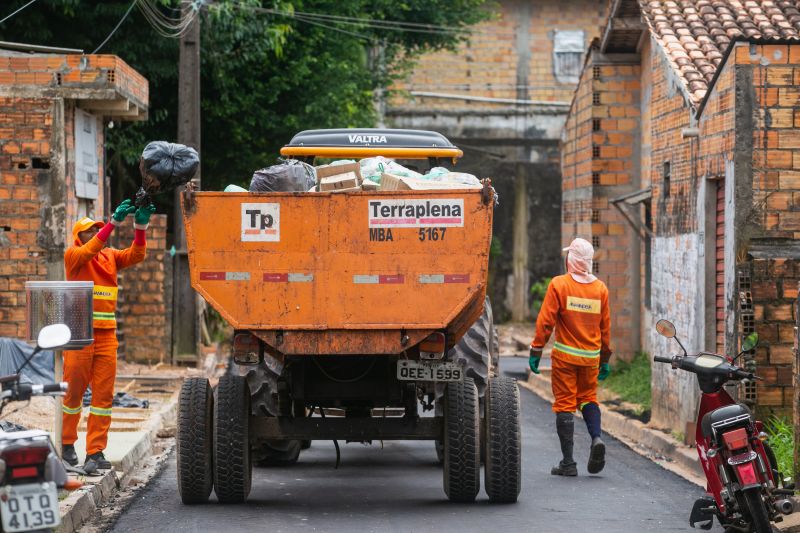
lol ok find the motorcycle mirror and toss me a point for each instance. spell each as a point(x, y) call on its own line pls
point(750, 342)
point(665, 328)
point(53, 336)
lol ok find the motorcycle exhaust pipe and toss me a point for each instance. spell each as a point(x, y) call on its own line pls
point(784, 506)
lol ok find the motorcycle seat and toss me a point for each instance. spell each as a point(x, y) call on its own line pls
point(721, 414)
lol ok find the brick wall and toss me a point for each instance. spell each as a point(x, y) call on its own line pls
point(143, 310)
point(770, 75)
point(25, 154)
point(597, 166)
point(486, 65)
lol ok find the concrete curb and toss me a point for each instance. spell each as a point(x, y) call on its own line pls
point(80, 506)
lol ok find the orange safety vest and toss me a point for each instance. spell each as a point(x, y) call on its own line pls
point(580, 315)
point(93, 262)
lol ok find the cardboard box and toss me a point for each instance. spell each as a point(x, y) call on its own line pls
point(326, 171)
point(348, 180)
point(369, 185)
point(392, 182)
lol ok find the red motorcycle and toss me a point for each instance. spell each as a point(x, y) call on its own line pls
point(741, 470)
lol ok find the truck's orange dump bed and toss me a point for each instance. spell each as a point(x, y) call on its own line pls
point(346, 273)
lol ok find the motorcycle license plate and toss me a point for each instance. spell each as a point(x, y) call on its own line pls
point(429, 371)
point(27, 507)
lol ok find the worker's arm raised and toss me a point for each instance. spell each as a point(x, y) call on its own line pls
point(77, 256)
point(136, 252)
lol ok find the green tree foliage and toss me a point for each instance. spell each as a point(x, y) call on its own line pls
point(265, 75)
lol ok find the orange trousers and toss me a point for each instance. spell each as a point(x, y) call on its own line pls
point(94, 365)
point(573, 386)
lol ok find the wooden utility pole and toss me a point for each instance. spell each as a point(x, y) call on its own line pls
point(186, 308)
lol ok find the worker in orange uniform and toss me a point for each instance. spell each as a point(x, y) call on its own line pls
point(96, 365)
point(576, 305)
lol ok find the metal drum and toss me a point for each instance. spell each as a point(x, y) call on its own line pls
point(61, 302)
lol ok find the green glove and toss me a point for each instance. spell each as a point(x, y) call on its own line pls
point(143, 214)
point(123, 210)
point(605, 370)
point(534, 360)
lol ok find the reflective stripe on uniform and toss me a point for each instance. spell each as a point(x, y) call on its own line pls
point(105, 293)
point(576, 351)
point(99, 411)
point(99, 315)
point(72, 410)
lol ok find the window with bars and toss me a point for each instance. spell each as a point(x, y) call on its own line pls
point(596, 267)
point(595, 151)
point(595, 215)
point(568, 49)
point(596, 241)
point(595, 124)
point(667, 178)
point(595, 178)
point(596, 73)
point(595, 98)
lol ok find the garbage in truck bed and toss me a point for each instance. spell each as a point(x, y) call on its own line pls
point(369, 174)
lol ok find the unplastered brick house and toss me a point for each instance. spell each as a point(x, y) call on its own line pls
point(54, 110)
point(681, 162)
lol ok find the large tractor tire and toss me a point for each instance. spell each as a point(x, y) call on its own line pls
point(461, 442)
point(503, 461)
point(195, 464)
point(233, 469)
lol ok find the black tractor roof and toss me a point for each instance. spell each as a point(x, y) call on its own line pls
point(367, 142)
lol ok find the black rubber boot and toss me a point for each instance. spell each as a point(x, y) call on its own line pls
point(68, 454)
point(565, 428)
point(96, 461)
point(597, 456)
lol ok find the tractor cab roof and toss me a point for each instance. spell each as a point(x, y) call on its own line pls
point(371, 142)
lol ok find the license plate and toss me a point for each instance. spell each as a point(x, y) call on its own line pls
point(429, 371)
point(27, 507)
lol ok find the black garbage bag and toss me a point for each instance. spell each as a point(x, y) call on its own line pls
point(165, 166)
point(288, 176)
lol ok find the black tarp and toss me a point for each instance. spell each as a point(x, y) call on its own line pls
point(13, 353)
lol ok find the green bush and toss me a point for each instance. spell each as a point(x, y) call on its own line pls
point(781, 440)
point(631, 380)
point(538, 290)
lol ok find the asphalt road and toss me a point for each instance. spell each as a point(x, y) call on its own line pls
point(399, 488)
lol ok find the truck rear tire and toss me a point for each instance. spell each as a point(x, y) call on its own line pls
point(233, 468)
point(462, 445)
point(503, 463)
point(195, 472)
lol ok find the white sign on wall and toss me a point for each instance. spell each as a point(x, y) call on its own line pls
point(87, 166)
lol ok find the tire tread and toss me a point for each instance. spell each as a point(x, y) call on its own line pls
point(462, 442)
point(194, 441)
point(232, 465)
point(503, 465)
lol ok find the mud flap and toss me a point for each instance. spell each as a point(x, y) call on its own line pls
point(703, 512)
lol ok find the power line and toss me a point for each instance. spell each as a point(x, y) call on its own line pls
point(128, 12)
point(377, 24)
point(17, 11)
point(168, 26)
point(346, 32)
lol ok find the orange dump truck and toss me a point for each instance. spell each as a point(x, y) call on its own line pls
point(348, 310)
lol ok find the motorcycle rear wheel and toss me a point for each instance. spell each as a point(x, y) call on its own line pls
point(759, 518)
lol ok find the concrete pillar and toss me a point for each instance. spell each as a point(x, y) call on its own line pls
point(520, 309)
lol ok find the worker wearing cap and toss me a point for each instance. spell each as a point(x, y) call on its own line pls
point(90, 260)
point(576, 305)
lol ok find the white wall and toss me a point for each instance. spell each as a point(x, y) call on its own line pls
point(678, 295)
